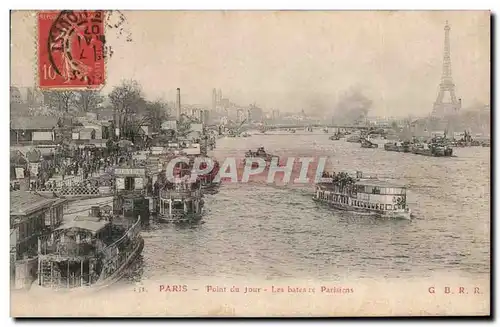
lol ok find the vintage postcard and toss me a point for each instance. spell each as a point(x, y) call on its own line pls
point(250, 163)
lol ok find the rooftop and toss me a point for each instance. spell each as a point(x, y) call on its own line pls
point(23, 203)
point(377, 183)
point(92, 224)
point(83, 129)
point(40, 122)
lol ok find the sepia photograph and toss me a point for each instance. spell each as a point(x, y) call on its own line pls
point(250, 163)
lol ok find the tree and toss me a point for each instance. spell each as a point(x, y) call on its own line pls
point(184, 126)
point(59, 99)
point(88, 100)
point(127, 100)
point(155, 114)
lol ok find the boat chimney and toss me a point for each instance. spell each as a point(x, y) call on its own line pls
point(178, 103)
point(95, 211)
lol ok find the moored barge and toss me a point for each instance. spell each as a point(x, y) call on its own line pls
point(354, 139)
point(368, 144)
point(433, 149)
point(398, 146)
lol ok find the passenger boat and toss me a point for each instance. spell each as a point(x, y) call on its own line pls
point(363, 196)
point(261, 153)
point(485, 144)
point(89, 251)
point(245, 135)
point(180, 201)
point(334, 137)
point(369, 145)
point(398, 146)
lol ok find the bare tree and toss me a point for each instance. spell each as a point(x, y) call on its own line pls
point(60, 99)
point(88, 100)
point(155, 113)
point(127, 100)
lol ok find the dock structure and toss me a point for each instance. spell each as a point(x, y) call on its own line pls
point(130, 195)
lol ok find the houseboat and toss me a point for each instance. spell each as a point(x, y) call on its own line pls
point(368, 144)
point(31, 215)
point(89, 251)
point(363, 196)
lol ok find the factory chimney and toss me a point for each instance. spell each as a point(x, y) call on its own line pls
point(178, 103)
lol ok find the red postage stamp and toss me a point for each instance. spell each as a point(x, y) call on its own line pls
point(71, 49)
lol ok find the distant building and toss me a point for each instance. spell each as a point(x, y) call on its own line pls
point(214, 100)
point(15, 95)
point(27, 129)
point(254, 114)
point(275, 114)
point(207, 119)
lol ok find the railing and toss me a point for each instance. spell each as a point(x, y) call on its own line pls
point(177, 194)
point(66, 248)
point(89, 187)
point(71, 281)
point(112, 249)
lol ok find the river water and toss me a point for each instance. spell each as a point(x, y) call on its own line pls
point(263, 231)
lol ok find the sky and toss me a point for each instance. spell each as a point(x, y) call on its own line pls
point(289, 60)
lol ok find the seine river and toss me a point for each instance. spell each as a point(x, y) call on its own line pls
point(263, 231)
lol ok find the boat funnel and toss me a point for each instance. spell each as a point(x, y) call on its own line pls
point(178, 103)
point(95, 211)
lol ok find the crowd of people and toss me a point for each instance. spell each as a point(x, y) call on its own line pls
point(76, 164)
point(73, 166)
point(341, 179)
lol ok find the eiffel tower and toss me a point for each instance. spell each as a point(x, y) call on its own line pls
point(446, 108)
